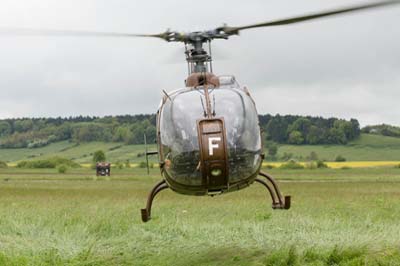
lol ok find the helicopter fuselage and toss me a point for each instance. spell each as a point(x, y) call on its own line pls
point(209, 139)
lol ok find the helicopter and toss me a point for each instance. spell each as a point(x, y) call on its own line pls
point(208, 134)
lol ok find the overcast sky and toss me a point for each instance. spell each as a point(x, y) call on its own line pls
point(347, 66)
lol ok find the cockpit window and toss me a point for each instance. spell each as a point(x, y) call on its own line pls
point(242, 131)
point(179, 136)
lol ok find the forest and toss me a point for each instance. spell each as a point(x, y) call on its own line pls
point(129, 129)
point(384, 130)
point(294, 129)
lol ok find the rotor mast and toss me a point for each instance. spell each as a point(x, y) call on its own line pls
point(199, 60)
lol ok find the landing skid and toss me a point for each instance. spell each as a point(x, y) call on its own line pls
point(278, 201)
point(146, 213)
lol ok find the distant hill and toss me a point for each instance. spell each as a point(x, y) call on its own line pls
point(367, 147)
point(36, 133)
point(80, 153)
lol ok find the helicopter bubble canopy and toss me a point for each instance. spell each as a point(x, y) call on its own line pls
point(179, 134)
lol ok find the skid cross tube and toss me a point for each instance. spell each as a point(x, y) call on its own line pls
point(278, 201)
point(146, 213)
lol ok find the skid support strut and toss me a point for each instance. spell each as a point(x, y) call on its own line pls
point(278, 201)
point(146, 213)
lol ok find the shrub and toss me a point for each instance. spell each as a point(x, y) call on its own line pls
point(321, 164)
point(291, 165)
point(3, 164)
point(99, 156)
point(142, 165)
point(119, 165)
point(37, 144)
point(340, 158)
point(311, 165)
point(127, 164)
point(48, 163)
point(36, 164)
point(65, 161)
point(287, 156)
point(62, 169)
point(270, 166)
point(316, 164)
point(346, 168)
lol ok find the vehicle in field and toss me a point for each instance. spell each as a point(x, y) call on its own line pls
point(103, 169)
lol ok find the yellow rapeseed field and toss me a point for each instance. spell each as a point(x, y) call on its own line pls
point(353, 164)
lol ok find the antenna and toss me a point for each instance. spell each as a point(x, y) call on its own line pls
point(146, 151)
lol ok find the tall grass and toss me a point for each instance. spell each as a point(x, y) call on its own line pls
point(70, 220)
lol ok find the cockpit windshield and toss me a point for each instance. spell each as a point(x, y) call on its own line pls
point(179, 136)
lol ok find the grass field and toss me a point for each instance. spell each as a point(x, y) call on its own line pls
point(81, 153)
point(367, 148)
point(338, 217)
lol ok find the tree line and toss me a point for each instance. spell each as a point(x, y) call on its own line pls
point(294, 129)
point(39, 132)
point(384, 130)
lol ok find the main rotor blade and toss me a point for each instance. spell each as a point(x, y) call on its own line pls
point(48, 32)
point(235, 30)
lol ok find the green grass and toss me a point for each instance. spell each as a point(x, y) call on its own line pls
point(81, 153)
point(367, 148)
point(77, 219)
point(12, 155)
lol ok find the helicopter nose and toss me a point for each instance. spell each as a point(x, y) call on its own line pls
point(213, 153)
